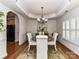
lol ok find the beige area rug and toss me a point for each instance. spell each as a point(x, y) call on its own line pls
point(52, 54)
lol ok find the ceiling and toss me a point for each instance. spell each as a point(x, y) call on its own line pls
point(12, 5)
point(32, 8)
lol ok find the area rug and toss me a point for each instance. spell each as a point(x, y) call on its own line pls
point(52, 54)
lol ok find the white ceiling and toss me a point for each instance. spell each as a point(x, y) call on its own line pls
point(12, 5)
point(51, 7)
point(32, 8)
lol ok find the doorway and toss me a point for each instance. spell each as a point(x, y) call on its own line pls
point(11, 27)
point(12, 32)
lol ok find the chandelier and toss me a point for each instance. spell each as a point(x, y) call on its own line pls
point(42, 19)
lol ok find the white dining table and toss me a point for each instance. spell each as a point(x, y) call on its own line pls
point(42, 47)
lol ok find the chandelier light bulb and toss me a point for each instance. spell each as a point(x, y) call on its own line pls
point(38, 19)
point(46, 19)
point(43, 18)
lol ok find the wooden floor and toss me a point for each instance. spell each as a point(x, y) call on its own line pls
point(14, 49)
point(67, 51)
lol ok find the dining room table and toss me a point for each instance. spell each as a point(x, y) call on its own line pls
point(42, 47)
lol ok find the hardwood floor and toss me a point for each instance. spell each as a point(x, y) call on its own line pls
point(67, 51)
point(14, 49)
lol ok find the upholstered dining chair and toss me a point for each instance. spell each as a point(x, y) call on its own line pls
point(53, 41)
point(31, 42)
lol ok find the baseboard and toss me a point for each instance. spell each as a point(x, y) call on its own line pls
point(71, 46)
point(21, 43)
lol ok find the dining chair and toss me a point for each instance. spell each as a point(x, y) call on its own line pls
point(31, 42)
point(53, 41)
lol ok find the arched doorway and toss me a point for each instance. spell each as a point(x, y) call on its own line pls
point(12, 32)
point(11, 27)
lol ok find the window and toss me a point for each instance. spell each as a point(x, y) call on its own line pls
point(63, 25)
point(66, 29)
point(64, 34)
point(71, 30)
point(77, 35)
point(67, 35)
point(77, 31)
point(67, 24)
point(72, 22)
point(77, 23)
point(72, 35)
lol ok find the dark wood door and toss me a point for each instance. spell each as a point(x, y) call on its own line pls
point(11, 32)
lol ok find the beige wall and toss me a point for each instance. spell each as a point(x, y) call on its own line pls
point(52, 26)
point(22, 28)
point(16, 29)
point(32, 26)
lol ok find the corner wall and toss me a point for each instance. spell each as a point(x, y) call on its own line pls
point(22, 28)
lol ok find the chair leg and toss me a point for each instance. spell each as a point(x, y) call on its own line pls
point(29, 48)
point(55, 47)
